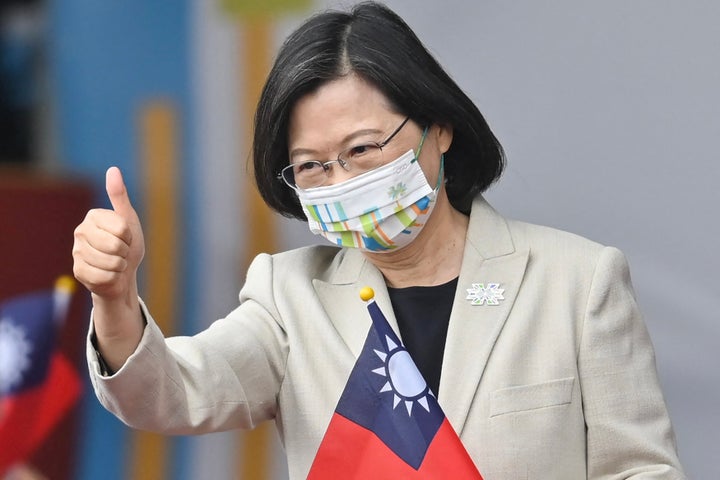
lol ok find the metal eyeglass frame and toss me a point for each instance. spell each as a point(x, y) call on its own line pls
point(339, 160)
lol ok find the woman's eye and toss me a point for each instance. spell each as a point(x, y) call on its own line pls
point(306, 166)
point(360, 150)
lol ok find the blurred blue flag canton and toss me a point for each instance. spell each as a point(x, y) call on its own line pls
point(27, 338)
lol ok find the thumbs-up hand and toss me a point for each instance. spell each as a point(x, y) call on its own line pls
point(108, 249)
point(109, 246)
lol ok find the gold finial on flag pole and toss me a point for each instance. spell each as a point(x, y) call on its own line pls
point(367, 294)
point(65, 284)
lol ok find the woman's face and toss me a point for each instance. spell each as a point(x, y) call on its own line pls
point(349, 111)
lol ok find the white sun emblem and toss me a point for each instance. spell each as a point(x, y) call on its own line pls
point(404, 379)
point(14, 355)
point(479, 294)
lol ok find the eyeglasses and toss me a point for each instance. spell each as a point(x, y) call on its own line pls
point(357, 159)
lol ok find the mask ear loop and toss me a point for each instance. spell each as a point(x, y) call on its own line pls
point(441, 172)
point(422, 140)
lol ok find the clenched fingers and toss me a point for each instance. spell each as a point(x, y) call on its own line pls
point(100, 251)
point(101, 220)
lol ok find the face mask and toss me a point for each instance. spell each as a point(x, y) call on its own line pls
point(379, 211)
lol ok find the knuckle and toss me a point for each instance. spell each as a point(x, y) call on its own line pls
point(118, 264)
point(77, 272)
point(93, 214)
point(118, 246)
point(80, 231)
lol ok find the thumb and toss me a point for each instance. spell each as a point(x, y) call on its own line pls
point(117, 193)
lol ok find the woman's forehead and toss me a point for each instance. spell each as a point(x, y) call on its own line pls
point(341, 105)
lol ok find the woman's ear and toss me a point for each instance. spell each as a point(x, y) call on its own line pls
point(444, 137)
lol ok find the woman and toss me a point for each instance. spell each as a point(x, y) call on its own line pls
point(529, 337)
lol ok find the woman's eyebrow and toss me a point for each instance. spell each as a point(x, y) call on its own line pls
point(348, 138)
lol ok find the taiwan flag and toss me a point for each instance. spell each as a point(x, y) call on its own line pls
point(387, 423)
point(38, 385)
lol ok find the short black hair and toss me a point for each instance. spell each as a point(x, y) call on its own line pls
point(374, 43)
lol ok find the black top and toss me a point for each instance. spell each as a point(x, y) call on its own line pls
point(423, 314)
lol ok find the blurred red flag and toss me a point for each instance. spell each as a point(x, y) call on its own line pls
point(38, 385)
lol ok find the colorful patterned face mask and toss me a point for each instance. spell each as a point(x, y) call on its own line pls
point(378, 211)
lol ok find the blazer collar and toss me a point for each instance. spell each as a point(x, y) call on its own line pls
point(490, 256)
point(340, 297)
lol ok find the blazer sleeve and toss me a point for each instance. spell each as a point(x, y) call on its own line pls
point(227, 376)
point(629, 434)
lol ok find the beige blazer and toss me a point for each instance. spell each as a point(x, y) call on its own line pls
point(556, 382)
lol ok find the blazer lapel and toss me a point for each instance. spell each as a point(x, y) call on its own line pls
point(340, 298)
point(490, 257)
